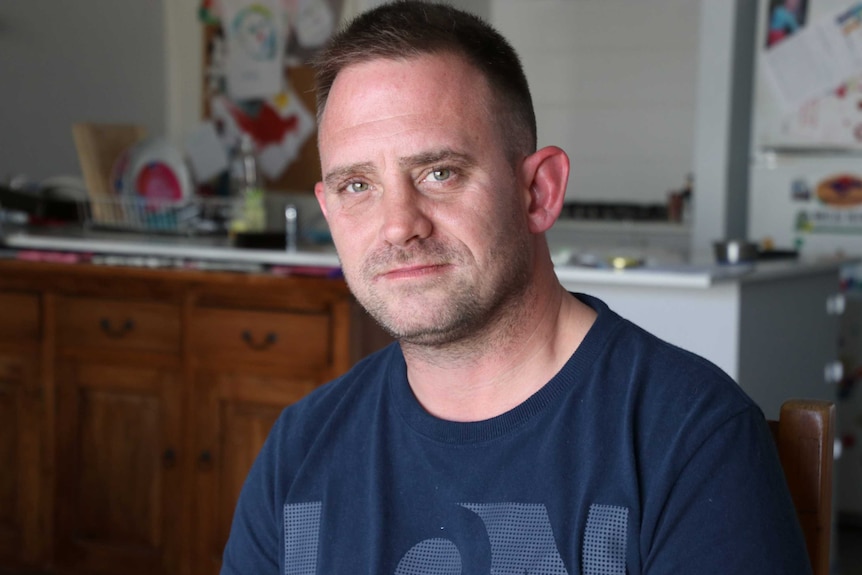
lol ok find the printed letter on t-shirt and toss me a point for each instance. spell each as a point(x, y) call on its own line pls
point(520, 537)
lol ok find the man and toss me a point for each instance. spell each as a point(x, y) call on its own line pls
point(514, 427)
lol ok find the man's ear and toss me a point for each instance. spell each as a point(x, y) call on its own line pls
point(545, 174)
point(320, 194)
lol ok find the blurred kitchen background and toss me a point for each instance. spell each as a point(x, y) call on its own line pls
point(685, 121)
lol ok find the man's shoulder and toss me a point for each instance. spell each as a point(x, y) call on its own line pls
point(351, 394)
point(656, 376)
point(684, 378)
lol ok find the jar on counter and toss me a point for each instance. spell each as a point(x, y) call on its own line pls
point(247, 189)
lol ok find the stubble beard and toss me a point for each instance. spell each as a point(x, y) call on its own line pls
point(461, 314)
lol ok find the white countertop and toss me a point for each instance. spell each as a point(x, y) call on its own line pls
point(574, 277)
point(202, 248)
point(696, 275)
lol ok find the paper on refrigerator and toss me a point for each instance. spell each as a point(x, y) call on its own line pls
point(817, 59)
point(255, 35)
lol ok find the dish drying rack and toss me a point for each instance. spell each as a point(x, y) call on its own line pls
point(187, 217)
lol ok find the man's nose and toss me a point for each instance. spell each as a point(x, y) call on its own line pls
point(405, 214)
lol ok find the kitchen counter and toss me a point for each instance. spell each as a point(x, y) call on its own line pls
point(698, 276)
point(214, 250)
point(161, 251)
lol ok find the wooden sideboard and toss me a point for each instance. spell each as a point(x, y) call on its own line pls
point(133, 402)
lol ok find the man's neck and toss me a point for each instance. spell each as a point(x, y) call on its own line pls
point(491, 379)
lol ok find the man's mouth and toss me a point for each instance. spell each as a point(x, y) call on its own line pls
point(412, 271)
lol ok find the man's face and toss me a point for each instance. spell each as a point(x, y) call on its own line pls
point(427, 212)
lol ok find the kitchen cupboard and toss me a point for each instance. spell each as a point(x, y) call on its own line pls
point(133, 402)
point(118, 486)
point(246, 364)
point(118, 418)
point(20, 429)
point(237, 410)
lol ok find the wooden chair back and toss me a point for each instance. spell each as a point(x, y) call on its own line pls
point(805, 435)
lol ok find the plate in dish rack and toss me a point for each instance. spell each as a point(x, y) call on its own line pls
point(155, 170)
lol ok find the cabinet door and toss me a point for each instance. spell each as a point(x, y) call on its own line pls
point(787, 338)
point(235, 412)
point(118, 468)
point(20, 449)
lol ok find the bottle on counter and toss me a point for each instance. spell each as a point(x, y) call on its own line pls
point(247, 189)
point(686, 192)
point(679, 202)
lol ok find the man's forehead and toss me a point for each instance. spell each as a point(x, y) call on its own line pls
point(435, 68)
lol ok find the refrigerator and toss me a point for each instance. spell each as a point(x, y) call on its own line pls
point(805, 176)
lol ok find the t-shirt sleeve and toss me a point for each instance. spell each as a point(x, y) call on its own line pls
point(729, 509)
point(253, 545)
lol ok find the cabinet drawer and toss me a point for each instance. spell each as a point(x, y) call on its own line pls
point(296, 338)
point(19, 317)
point(118, 324)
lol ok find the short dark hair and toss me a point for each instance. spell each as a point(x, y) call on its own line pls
point(411, 28)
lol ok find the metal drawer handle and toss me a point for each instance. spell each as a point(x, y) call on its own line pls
point(205, 461)
point(169, 458)
point(268, 341)
point(119, 332)
point(833, 372)
point(836, 304)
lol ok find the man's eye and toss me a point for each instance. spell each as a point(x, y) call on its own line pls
point(356, 187)
point(440, 174)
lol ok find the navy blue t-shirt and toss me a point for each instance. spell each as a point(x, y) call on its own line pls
point(637, 457)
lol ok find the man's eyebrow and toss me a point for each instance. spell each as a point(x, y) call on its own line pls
point(435, 157)
point(338, 173)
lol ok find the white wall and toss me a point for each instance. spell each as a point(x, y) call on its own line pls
point(613, 80)
point(64, 62)
point(184, 73)
point(614, 85)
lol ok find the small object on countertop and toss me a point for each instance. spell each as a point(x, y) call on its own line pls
point(768, 251)
point(623, 262)
point(771, 254)
point(291, 228)
point(735, 251)
point(561, 257)
point(247, 188)
point(259, 240)
point(39, 205)
point(53, 257)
